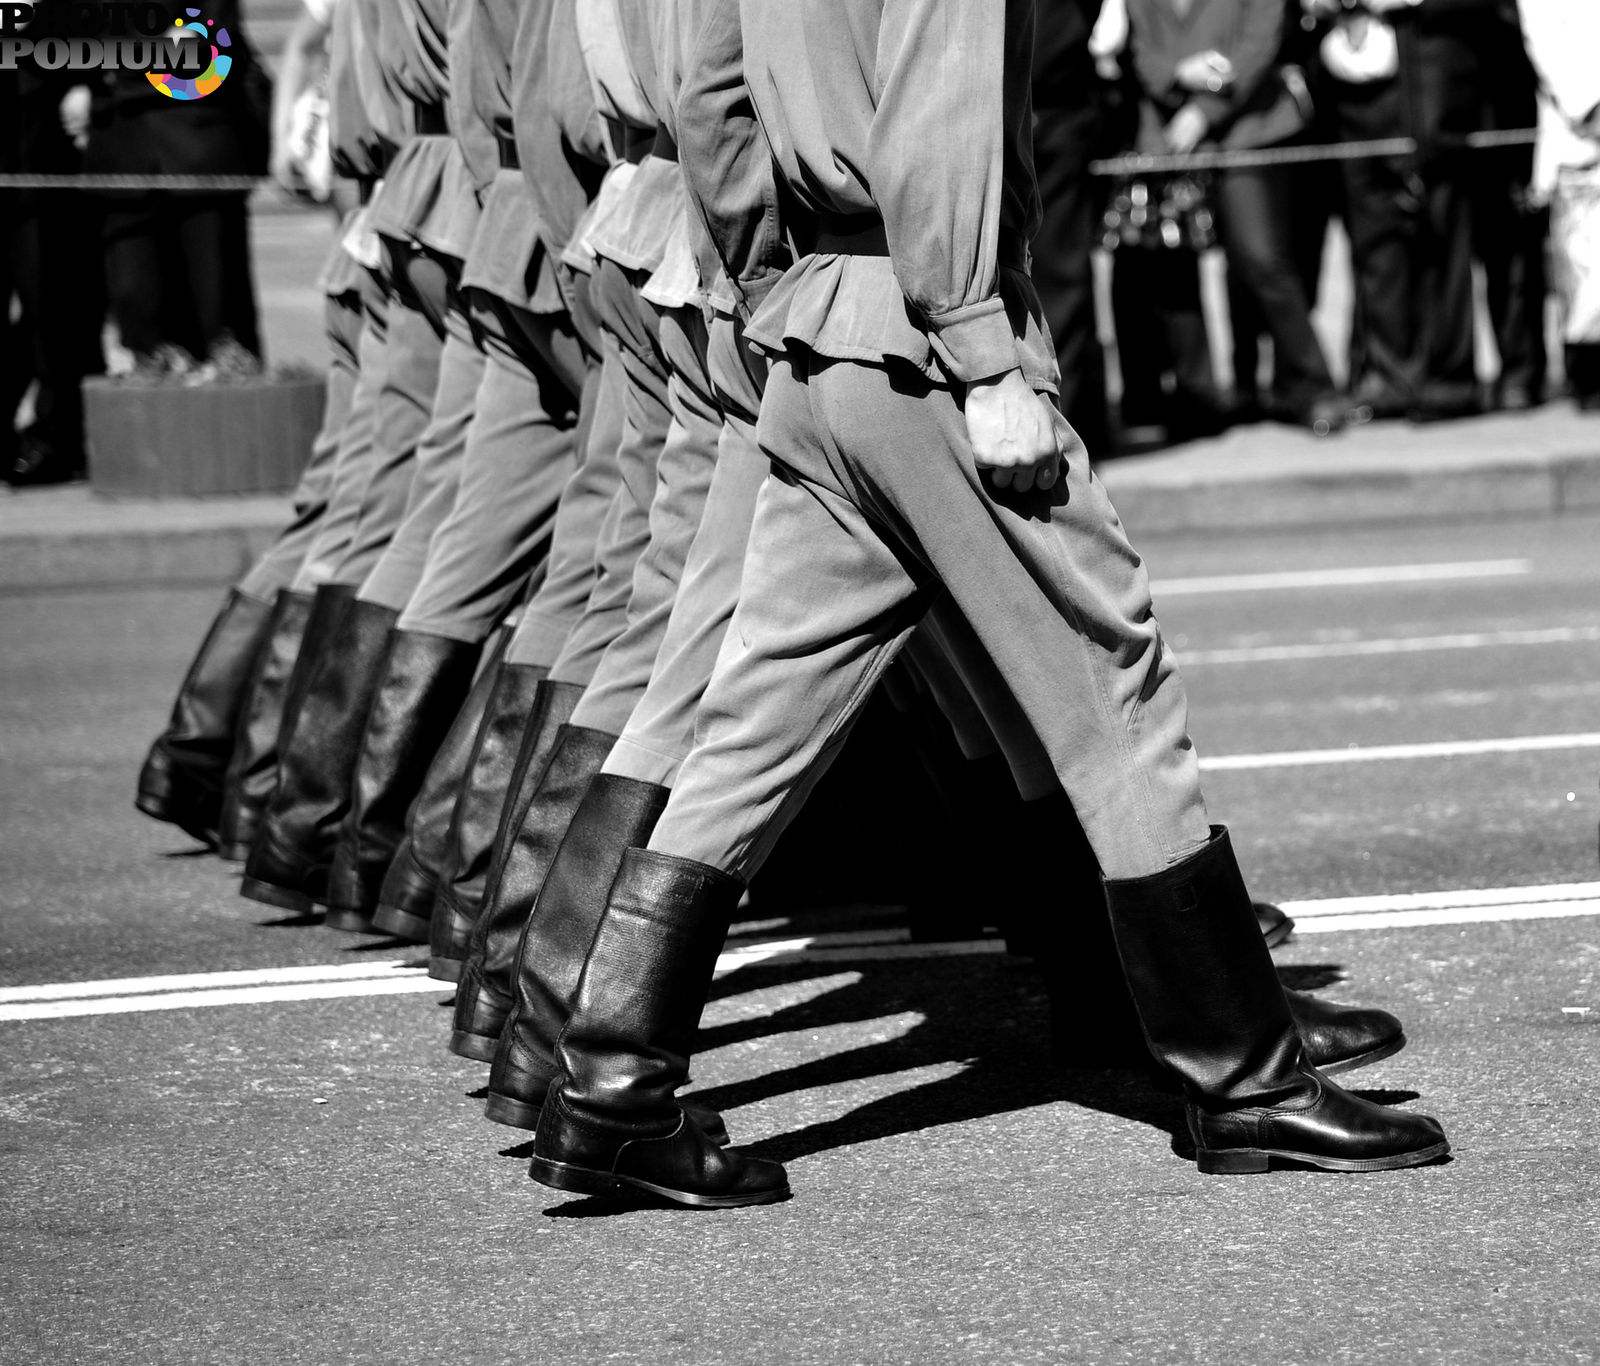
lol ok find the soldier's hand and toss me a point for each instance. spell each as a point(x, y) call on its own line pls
point(1015, 433)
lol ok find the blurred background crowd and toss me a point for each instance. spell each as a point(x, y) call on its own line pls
point(1408, 283)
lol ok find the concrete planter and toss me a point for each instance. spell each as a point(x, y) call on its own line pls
point(252, 436)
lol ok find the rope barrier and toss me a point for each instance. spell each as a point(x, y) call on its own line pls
point(1135, 164)
point(1152, 163)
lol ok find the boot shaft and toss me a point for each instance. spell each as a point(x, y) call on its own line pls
point(625, 1049)
point(1208, 996)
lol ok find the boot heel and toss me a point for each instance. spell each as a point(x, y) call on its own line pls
point(1232, 1161)
point(578, 1180)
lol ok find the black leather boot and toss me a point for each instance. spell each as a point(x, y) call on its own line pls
point(1214, 1012)
point(611, 1124)
point(289, 861)
point(253, 769)
point(483, 994)
point(521, 732)
point(405, 901)
point(1093, 1021)
point(183, 776)
point(615, 815)
point(421, 688)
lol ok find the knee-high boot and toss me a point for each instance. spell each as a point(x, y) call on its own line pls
point(253, 767)
point(422, 685)
point(616, 814)
point(183, 776)
point(483, 995)
point(289, 862)
point(405, 901)
point(1214, 1012)
point(1093, 1020)
point(612, 1123)
point(500, 786)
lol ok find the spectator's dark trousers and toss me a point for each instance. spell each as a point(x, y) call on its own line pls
point(1064, 141)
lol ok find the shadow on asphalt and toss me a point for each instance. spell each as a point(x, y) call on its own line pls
point(989, 1018)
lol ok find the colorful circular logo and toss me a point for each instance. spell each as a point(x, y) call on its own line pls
point(176, 87)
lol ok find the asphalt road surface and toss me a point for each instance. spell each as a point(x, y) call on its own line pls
point(266, 1155)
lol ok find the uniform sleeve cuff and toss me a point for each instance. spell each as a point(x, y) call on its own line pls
point(976, 342)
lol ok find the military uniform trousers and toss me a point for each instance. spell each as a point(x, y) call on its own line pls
point(683, 480)
point(518, 462)
point(876, 510)
point(660, 731)
point(343, 315)
point(570, 644)
point(400, 360)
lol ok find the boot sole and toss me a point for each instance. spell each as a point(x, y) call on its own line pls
point(351, 922)
point(1253, 1161)
point(1278, 934)
point(513, 1113)
point(1371, 1056)
point(475, 1046)
point(562, 1176)
point(284, 898)
point(445, 969)
point(401, 924)
point(237, 852)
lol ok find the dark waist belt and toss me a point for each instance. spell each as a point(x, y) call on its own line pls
point(430, 120)
point(509, 160)
point(863, 234)
point(665, 148)
point(838, 234)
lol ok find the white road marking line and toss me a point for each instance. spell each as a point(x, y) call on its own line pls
point(1353, 649)
point(1366, 754)
point(1427, 901)
point(1340, 578)
point(398, 985)
point(391, 977)
point(253, 977)
point(1471, 907)
point(1481, 915)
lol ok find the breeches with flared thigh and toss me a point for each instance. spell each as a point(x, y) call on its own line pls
point(281, 561)
point(519, 459)
point(633, 326)
point(875, 510)
point(683, 480)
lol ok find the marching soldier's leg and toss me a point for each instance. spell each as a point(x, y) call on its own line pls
point(289, 862)
point(526, 707)
point(540, 807)
point(184, 778)
point(518, 457)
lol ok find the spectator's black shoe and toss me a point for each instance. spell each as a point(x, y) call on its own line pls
point(405, 901)
point(611, 1124)
point(1447, 403)
point(421, 686)
point(1518, 398)
point(483, 994)
point(253, 768)
point(519, 734)
point(290, 859)
point(34, 462)
point(615, 815)
point(183, 776)
point(1326, 415)
point(1215, 1013)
